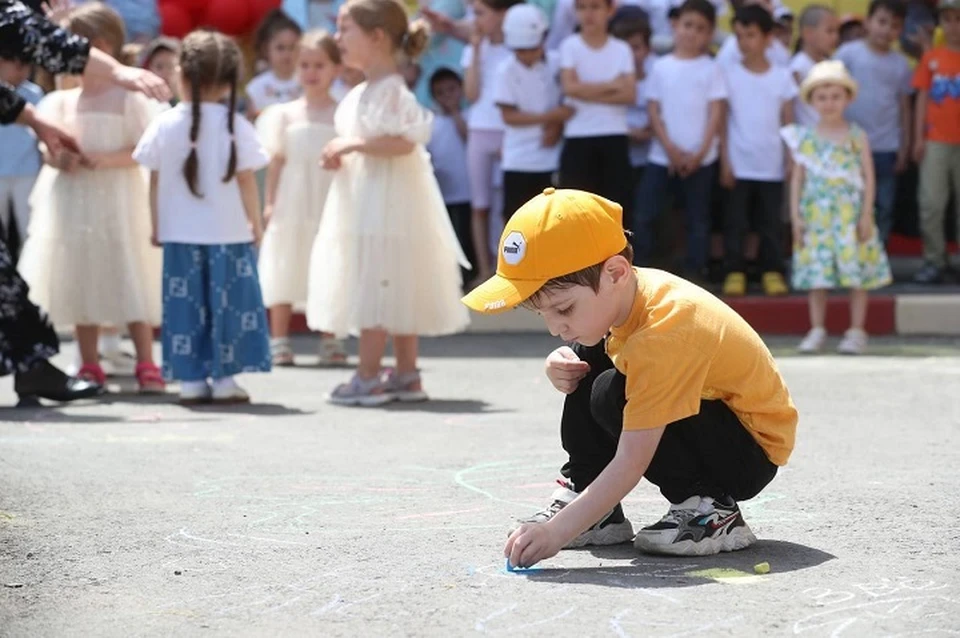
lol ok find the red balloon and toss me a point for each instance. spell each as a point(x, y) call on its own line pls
point(195, 8)
point(232, 17)
point(175, 21)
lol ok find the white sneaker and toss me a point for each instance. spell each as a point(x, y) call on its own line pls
point(612, 529)
point(362, 392)
point(194, 392)
point(226, 391)
point(699, 526)
point(813, 342)
point(854, 342)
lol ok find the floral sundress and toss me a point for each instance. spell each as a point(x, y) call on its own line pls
point(830, 203)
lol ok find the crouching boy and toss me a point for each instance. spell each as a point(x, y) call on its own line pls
point(663, 381)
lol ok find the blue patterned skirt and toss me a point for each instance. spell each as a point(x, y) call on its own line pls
point(214, 322)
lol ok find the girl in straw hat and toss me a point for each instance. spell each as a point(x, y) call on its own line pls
point(835, 241)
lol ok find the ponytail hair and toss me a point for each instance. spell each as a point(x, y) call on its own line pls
point(408, 38)
point(209, 60)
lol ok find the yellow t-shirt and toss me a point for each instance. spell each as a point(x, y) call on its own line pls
point(681, 344)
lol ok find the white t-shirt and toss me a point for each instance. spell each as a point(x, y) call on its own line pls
point(637, 116)
point(484, 115)
point(684, 89)
point(613, 59)
point(753, 129)
point(533, 89)
point(448, 153)
point(267, 89)
point(729, 53)
point(803, 113)
point(218, 217)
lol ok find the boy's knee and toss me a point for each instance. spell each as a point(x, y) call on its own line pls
point(607, 400)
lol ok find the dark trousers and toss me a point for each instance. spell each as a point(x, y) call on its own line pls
point(708, 454)
point(460, 219)
point(599, 165)
point(884, 169)
point(521, 187)
point(695, 191)
point(764, 200)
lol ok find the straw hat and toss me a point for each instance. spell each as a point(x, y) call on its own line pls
point(827, 72)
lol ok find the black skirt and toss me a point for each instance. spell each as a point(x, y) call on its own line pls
point(26, 334)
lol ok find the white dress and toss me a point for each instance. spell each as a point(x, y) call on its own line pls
point(88, 258)
point(385, 255)
point(290, 131)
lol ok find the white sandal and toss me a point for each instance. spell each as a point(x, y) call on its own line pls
point(280, 352)
point(332, 352)
point(854, 342)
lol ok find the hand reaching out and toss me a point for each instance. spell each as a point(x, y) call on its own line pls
point(565, 369)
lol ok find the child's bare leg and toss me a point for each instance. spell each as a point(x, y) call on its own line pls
point(479, 229)
point(373, 343)
point(87, 342)
point(142, 335)
point(858, 308)
point(818, 308)
point(280, 315)
point(406, 348)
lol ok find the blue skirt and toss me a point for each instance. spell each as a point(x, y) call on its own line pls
point(214, 322)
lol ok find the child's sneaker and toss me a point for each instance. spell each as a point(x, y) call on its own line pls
point(194, 393)
point(281, 354)
point(774, 284)
point(407, 387)
point(854, 342)
point(332, 352)
point(813, 342)
point(735, 285)
point(226, 391)
point(699, 526)
point(361, 392)
point(614, 528)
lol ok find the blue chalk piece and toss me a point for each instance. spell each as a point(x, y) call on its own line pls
point(513, 570)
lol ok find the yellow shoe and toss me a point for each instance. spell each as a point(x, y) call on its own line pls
point(774, 284)
point(735, 285)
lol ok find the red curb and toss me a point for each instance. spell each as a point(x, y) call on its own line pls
point(789, 316)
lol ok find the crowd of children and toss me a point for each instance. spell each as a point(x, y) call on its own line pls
point(325, 186)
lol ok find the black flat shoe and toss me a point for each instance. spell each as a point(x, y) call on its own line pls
point(46, 381)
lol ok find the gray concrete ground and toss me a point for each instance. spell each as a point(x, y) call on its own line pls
point(292, 517)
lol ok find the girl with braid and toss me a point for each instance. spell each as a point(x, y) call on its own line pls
point(206, 215)
point(88, 258)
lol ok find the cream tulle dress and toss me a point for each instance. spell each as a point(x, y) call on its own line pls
point(88, 257)
point(298, 135)
point(385, 255)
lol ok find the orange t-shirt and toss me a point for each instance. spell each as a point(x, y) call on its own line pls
point(681, 344)
point(938, 73)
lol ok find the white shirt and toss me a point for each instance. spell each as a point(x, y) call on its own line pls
point(729, 53)
point(448, 153)
point(218, 217)
point(684, 89)
point(592, 66)
point(533, 89)
point(803, 113)
point(753, 133)
point(267, 89)
point(484, 114)
point(637, 116)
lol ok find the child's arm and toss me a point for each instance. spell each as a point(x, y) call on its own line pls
point(274, 169)
point(865, 225)
point(471, 78)
point(796, 186)
point(621, 90)
point(660, 132)
point(154, 214)
point(247, 182)
point(727, 178)
point(114, 159)
point(461, 124)
point(919, 126)
point(714, 125)
point(532, 543)
point(515, 117)
point(906, 125)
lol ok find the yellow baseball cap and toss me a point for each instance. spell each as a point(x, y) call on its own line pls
point(556, 233)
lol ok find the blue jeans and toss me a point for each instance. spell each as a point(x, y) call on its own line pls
point(884, 164)
point(652, 198)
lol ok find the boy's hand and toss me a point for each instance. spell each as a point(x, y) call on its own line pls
point(552, 132)
point(903, 158)
point(267, 214)
point(565, 369)
point(727, 180)
point(864, 228)
point(531, 543)
point(676, 158)
point(919, 149)
point(154, 241)
point(691, 164)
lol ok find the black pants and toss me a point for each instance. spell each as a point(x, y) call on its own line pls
point(708, 454)
point(599, 165)
point(26, 335)
point(460, 219)
point(520, 187)
point(764, 200)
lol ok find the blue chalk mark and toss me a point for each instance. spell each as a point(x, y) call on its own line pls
point(513, 570)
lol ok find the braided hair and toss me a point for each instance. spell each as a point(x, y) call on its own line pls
point(209, 60)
